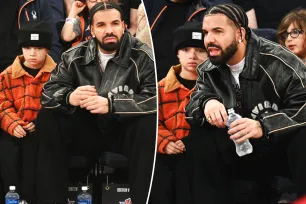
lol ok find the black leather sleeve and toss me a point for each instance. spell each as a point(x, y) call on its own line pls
point(57, 90)
point(203, 92)
point(145, 100)
point(292, 92)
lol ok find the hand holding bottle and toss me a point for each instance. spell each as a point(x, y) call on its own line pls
point(245, 128)
point(243, 145)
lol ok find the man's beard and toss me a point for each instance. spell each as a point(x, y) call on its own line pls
point(109, 47)
point(225, 55)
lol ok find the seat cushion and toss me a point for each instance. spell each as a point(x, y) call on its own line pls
point(113, 160)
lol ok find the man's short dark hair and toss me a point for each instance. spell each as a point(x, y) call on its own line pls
point(235, 13)
point(104, 6)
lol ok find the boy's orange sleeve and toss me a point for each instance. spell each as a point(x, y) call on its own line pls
point(8, 116)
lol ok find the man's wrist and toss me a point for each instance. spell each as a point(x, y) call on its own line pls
point(110, 105)
point(259, 126)
point(68, 98)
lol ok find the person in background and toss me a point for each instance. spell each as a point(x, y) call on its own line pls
point(164, 17)
point(292, 32)
point(13, 14)
point(101, 97)
point(265, 84)
point(267, 14)
point(143, 29)
point(20, 92)
point(68, 6)
point(58, 9)
point(76, 28)
point(129, 8)
point(170, 183)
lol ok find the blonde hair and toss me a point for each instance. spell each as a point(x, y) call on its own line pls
point(297, 17)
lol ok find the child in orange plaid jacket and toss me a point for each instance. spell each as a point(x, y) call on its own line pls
point(169, 186)
point(20, 92)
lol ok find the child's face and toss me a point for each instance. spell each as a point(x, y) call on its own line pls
point(191, 57)
point(35, 56)
point(296, 44)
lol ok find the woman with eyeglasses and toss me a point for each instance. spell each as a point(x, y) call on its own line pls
point(291, 32)
point(76, 28)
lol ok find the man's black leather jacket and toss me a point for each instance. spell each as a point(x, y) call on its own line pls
point(128, 80)
point(272, 86)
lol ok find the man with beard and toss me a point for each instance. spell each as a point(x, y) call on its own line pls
point(265, 84)
point(101, 96)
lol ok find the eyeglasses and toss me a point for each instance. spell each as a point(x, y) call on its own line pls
point(294, 33)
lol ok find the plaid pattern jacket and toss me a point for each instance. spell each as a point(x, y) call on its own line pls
point(173, 98)
point(20, 93)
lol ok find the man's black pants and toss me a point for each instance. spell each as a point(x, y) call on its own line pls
point(80, 134)
point(216, 164)
point(18, 164)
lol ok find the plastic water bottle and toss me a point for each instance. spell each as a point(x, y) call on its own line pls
point(84, 197)
point(12, 197)
point(245, 147)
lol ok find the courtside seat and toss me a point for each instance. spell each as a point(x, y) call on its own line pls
point(114, 174)
point(113, 160)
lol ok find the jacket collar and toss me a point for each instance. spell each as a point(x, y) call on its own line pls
point(250, 70)
point(171, 82)
point(122, 55)
point(18, 71)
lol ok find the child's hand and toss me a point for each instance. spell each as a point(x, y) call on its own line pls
point(77, 7)
point(173, 148)
point(19, 132)
point(181, 144)
point(30, 127)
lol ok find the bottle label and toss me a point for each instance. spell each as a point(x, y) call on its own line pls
point(11, 201)
point(84, 201)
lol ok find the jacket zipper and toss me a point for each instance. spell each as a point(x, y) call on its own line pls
point(20, 10)
point(103, 75)
point(229, 85)
point(242, 97)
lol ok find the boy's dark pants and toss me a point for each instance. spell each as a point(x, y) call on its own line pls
point(170, 181)
point(80, 134)
point(17, 165)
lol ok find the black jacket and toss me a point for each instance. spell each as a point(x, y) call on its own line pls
point(156, 9)
point(272, 84)
point(128, 80)
point(156, 15)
